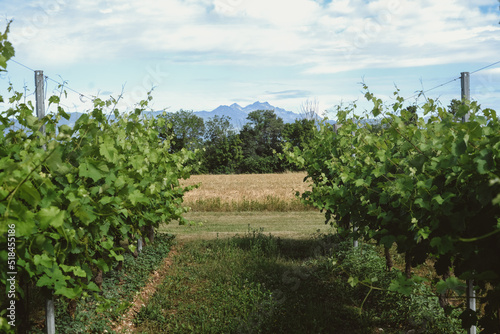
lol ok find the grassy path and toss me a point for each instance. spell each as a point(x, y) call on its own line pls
point(279, 272)
point(253, 283)
point(260, 283)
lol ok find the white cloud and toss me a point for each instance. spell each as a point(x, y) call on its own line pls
point(336, 36)
point(308, 37)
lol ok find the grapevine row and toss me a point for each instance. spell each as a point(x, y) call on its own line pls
point(429, 185)
point(74, 194)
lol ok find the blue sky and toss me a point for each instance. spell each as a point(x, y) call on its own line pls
point(200, 54)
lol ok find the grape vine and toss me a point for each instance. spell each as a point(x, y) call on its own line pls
point(431, 186)
point(71, 194)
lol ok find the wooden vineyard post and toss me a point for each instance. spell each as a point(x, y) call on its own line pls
point(50, 321)
point(471, 294)
point(139, 244)
point(465, 84)
point(40, 96)
point(471, 302)
point(50, 318)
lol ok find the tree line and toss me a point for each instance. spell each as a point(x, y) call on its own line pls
point(257, 147)
point(221, 149)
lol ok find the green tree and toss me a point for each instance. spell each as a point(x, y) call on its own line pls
point(299, 133)
point(223, 151)
point(262, 142)
point(184, 129)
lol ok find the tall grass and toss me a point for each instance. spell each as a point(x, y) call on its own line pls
point(268, 203)
point(247, 192)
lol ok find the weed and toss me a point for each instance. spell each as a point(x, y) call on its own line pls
point(419, 312)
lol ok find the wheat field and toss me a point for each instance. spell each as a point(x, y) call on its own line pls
point(246, 192)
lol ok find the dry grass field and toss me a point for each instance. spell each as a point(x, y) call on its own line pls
point(225, 205)
point(246, 192)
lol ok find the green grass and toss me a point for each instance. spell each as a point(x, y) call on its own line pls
point(209, 225)
point(260, 283)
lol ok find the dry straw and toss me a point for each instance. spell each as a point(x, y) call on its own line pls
point(246, 192)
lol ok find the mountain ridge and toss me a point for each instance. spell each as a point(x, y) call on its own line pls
point(239, 114)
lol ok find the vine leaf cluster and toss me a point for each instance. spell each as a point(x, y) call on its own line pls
point(428, 185)
point(73, 195)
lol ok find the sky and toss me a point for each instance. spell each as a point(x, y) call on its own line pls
point(199, 54)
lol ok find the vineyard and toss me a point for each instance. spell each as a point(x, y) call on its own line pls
point(75, 200)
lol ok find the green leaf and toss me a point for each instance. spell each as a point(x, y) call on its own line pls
point(44, 281)
point(443, 245)
point(120, 182)
point(402, 285)
point(107, 244)
point(463, 109)
point(63, 113)
point(458, 147)
point(106, 200)
point(3, 61)
point(89, 170)
point(108, 151)
point(8, 50)
point(118, 257)
point(77, 271)
point(359, 182)
point(50, 216)
point(25, 228)
point(54, 99)
point(481, 165)
point(451, 283)
point(438, 199)
point(93, 287)
point(43, 260)
point(29, 193)
point(496, 200)
point(55, 163)
point(353, 281)
point(70, 293)
point(422, 203)
point(85, 213)
point(137, 197)
point(70, 178)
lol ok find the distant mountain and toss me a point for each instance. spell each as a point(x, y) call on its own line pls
point(239, 114)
